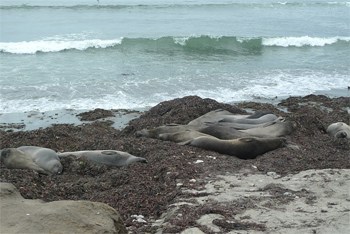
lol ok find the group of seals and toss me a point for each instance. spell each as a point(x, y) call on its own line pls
point(339, 130)
point(47, 161)
point(243, 136)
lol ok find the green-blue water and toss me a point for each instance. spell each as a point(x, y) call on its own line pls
point(133, 54)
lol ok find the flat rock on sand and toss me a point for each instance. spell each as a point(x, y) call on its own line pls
point(19, 215)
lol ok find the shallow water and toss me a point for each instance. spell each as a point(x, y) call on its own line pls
point(135, 54)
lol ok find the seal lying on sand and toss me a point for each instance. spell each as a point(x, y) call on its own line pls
point(45, 158)
point(263, 119)
point(244, 126)
point(219, 115)
point(223, 132)
point(169, 128)
point(212, 116)
point(181, 136)
point(339, 130)
point(106, 157)
point(16, 159)
point(244, 148)
point(276, 129)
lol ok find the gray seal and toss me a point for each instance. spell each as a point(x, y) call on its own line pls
point(16, 159)
point(339, 130)
point(106, 157)
point(276, 129)
point(220, 114)
point(45, 158)
point(263, 119)
point(243, 148)
point(223, 132)
point(212, 116)
point(182, 136)
point(169, 128)
point(244, 126)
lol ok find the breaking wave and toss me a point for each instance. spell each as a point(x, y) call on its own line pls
point(194, 44)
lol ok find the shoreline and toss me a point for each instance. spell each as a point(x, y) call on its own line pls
point(34, 120)
point(180, 188)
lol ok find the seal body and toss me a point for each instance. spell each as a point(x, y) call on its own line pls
point(181, 136)
point(170, 128)
point(244, 148)
point(212, 116)
point(106, 157)
point(275, 129)
point(263, 119)
point(339, 130)
point(16, 159)
point(46, 158)
point(223, 132)
point(219, 115)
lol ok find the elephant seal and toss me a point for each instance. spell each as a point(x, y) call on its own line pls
point(212, 116)
point(263, 119)
point(219, 114)
point(170, 128)
point(45, 158)
point(106, 157)
point(339, 130)
point(245, 126)
point(276, 129)
point(181, 136)
point(16, 159)
point(223, 132)
point(243, 148)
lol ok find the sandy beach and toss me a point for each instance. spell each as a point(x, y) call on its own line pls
point(191, 190)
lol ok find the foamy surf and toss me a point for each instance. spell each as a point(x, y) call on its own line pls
point(194, 43)
point(302, 41)
point(32, 47)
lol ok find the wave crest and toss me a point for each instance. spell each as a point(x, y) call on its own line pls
point(194, 44)
point(32, 47)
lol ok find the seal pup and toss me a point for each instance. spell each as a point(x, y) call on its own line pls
point(16, 159)
point(243, 148)
point(169, 128)
point(339, 130)
point(181, 136)
point(276, 129)
point(211, 116)
point(45, 158)
point(106, 157)
point(263, 119)
point(244, 126)
point(220, 114)
point(223, 132)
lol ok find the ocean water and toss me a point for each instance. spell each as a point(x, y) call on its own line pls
point(85, 54)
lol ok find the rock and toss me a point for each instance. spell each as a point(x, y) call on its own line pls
point(19, 215)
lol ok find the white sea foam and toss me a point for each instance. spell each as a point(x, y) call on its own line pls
point(32, 47)
point(47, 104)
point(302, 41)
